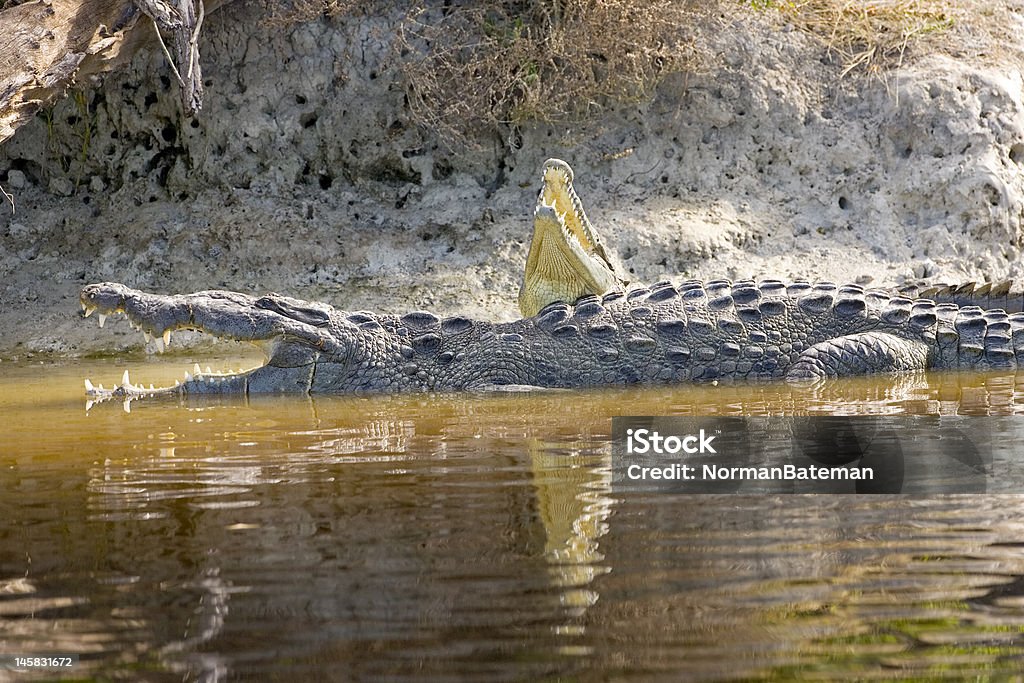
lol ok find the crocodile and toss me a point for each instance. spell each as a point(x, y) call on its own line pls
point(614, 334)
point(670, 332)
point(568, 258)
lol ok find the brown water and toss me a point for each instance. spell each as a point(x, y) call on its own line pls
point(476, 538)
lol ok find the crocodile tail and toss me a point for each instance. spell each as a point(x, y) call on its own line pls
point(971, 338)
point(1007, 295)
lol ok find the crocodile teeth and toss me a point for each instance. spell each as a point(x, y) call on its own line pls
point(125, 381)
point(208, 370)
point(147, 335)
point(127, 406)
point(102, 319)
point(89, 388)
point(89, 310)
point(89, 405)
point(160, 345)
point(188, 377)
point(167, 337)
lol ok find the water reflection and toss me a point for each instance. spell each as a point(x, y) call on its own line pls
point(480, 537)
point(573, 499)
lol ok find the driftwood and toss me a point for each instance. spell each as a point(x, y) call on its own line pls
point(48, 45)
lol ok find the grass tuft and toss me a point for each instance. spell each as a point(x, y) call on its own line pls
point(868, 36)
point(495, 64)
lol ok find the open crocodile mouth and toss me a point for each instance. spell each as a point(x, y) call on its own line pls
point(566, 258)
point(558, 192)
point(196, 380)
point(266, 321)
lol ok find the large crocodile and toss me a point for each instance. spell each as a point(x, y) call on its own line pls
point(669, 332)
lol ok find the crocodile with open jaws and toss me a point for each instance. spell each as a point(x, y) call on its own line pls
point(669, 332)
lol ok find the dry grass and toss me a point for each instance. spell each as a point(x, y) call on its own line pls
point(497, 63)
point(476, 67)
point(868, 36)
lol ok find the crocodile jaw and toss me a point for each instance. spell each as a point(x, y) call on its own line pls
point(200, 383)
point(558, 192)
point(157, 321)
point(567, 258)
point(557, 267)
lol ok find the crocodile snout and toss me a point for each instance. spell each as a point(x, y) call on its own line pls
point(107, 297)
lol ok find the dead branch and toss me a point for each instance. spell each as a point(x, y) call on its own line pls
point(184, 21)
point(48, 45)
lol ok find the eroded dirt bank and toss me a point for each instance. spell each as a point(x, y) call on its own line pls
point(305, 175)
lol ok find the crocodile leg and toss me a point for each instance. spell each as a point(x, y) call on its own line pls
point(859, 354)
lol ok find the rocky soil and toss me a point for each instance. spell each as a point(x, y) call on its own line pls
point(306, 175)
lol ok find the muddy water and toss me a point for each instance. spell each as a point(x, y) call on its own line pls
point(475, 538)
